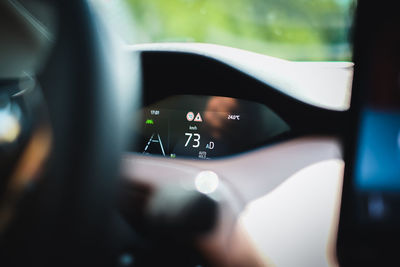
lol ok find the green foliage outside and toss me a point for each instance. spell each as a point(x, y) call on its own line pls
point(290, 29)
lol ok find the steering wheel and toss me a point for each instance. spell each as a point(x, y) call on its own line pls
point(66, 216)
point(65, 212)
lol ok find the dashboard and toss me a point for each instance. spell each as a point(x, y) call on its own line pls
point(199, 107)
point(206, 127)
point(208, 124)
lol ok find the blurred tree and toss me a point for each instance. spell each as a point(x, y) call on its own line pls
point(291, 29)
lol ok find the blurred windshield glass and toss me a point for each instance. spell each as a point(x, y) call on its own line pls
point(309, 30)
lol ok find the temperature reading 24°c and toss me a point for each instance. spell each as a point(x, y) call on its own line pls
point(196, 139)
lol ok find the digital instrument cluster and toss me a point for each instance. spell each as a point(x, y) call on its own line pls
point(205, 127)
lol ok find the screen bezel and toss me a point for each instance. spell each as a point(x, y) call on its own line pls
point(364, 242)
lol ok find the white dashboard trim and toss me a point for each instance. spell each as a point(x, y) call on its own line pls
point(322, 84)
point(285, 197)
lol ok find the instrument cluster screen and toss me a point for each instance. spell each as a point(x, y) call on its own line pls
point(205, 127)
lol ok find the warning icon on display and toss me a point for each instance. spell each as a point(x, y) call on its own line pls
point(198, 118)
point(190, 116)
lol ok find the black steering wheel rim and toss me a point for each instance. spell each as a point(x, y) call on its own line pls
point(68, 217)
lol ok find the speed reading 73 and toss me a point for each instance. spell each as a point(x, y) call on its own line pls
point(196, 139)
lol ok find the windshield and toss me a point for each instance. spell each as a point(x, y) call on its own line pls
point(309, 30)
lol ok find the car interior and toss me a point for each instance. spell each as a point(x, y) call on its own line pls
point(189, 153)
